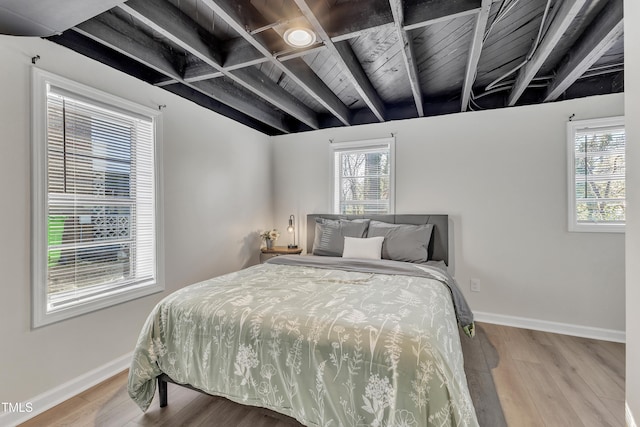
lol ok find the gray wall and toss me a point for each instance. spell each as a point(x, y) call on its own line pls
point(501, 175)
point(216, 198)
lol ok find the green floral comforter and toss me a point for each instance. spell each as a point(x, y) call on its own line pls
point(327, 347)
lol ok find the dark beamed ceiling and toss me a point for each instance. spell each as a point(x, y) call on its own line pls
point(374, 60)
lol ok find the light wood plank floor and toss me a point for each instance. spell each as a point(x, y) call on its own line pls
point(541, 379)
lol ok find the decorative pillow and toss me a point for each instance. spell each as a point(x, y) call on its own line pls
point(367, 248)
point(403, 242)
point(330, 234)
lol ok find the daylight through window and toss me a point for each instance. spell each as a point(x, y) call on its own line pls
point(597, 175)
point(99, 208)
point(363, 177)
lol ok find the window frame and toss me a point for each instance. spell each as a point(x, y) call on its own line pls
point(41, 315)
point(572, 128)
point(335, 147)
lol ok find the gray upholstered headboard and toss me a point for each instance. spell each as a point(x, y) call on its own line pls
point(438, 245)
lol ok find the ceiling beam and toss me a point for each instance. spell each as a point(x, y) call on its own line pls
point(474, 52)
point(197, 97)
point(343, 22)
point(310, 83)
point(174, 25)
point(110, 31)
point(197, 72)
point(240, 54)
point(599, 37)
point(407, 54)
point(565, 16)
point(421, 13)
point(200, 71)
point(351, 67)
point(351, 19)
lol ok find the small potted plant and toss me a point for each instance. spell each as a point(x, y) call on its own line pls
point(270, 236)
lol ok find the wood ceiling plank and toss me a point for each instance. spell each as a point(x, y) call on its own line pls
point(442, 68)
point(444, 58)
point(474, 52)
point(327, 69)
point(198, 96)
point(381, 58)
point(408, 54)
point(391, 59)
point(453, 66)
point(304, 77)
point(569, 9)
point(345, 21)
point(201, 71)
point(313, 86)
point(241, 54)
point(438, 47)
point(392, 83)
point(600, 37)
point(148, 52)
point(174, 25)
point(359, 79)
point(421, 13)
point(350, 64)
point(508, 46)
point(236, 59)
point(351, 19)
point(272, 92)
point(110, 31)
point(524, 14)
point(519, 41)
point(298, 53)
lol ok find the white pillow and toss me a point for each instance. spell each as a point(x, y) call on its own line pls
point(367, 248)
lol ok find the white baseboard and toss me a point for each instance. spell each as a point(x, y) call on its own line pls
point(66, 391)
point(555, 327)
point(628, 416)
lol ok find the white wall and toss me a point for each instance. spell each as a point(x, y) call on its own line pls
point(216, 198)
point(632, 108)
point(501, 176)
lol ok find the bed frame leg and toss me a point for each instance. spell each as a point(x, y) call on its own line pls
point(162, 391)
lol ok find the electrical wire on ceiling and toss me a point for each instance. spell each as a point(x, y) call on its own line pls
point(502, 12)
point(505, 7)
point(531, 52)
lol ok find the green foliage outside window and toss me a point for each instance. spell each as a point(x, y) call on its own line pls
point(600, 176)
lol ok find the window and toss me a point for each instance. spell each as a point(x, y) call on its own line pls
point(363, 177)
point(596, 153)
point(95, 204)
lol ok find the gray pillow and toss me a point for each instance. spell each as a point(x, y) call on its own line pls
point(330, 234)
point(403, 242)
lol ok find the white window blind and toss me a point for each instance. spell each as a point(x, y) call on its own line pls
point(597, 175)
point(363, 177)
point(100, 205)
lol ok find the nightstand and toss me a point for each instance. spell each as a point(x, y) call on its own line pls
point(265, 253)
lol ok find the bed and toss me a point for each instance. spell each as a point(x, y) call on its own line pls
point(327, 340)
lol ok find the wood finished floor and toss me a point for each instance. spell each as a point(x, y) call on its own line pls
point(517, 377)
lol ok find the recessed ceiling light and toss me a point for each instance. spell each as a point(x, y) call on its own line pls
point(299, 37)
